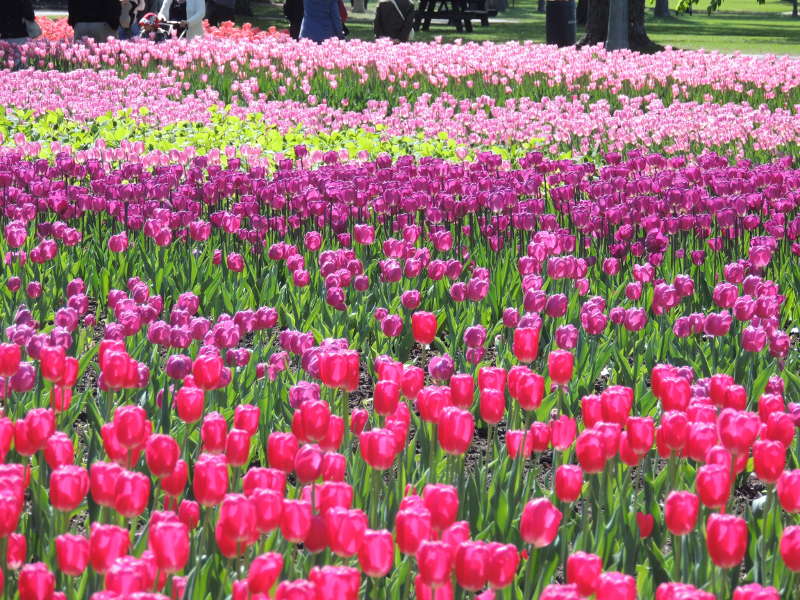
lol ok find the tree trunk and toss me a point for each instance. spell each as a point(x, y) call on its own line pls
point(540, 6)
point(359, 6)
point(662, 8)
point(580, 12)
point(597, 26)
point(794, 8)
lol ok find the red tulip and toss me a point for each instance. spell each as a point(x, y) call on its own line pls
point(719, 386)
point(583, 570)
point(423, 327)
point(36, 582)
point(738, 430)
point(645, 522)
point(413, 526)
point(10, 357)
point(790, 547)
point(269, 508)
point(471, 562)
point(735, 397)
point(526, 344)
point(562, 432)
point(334, 493)
point(69, 485)
point(210, 482)
point(72, 554)
point(591, 410)
point(556, 591)
point(412, 381)
point(530, 392)
point(246, 416)
point(385, 397)
point(501, 567)
point(456, 428)
point(16, 550)
point(169, 542)
point(559, 366)
point(207, 371)
point(675, 393)
point(237, 516)
point(333, 466)
point(103, 482)
point(40, 424)
point(130, 424)
point(378, 448)
point(726, 539)
point(258, 478)
point(175, 483)
point(434, 562)
point(281, 451)
point(345, 529)
point(788, 488)
point(422, 591)
point(59, 450)
point(702, 436)
point(539, 523)
point(264, 572)
point(131, 493)
point(769, 459)
point(431, 401)
point(237, 447)
point(492, 405)
point(462, 390)
point(376, 554)
point(493, 378)
point(189, 401)
point(616, 402)
point(189, 513)
point(675, 429)
point(299, 589)
point(590, 451)
point(106, 544)
point(569, 481)
point(441, 500)
point(754, 591)
point(641, 433)
point(315, 415)
point(615, 586)
point(713, 484)
point(358, 420)
point(161, 454)
point(336, 582)
point(680, 512)
point(295, 520)
point(52, 362)
point(657, 376)
point(518, 443)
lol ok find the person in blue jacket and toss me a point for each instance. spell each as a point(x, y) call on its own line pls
point(321, 20)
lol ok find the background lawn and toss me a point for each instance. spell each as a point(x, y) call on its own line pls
point(741, 25)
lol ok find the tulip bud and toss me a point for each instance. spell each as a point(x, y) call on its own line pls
point(583, 570)
point(539, 523)
point(569, 482)
point(376, 554)
point(726, 539)
point(680, 512)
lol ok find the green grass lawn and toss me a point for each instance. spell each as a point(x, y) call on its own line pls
point(740, 25)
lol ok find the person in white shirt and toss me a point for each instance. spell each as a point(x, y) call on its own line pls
point(189, 12)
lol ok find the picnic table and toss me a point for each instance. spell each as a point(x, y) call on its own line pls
point(460, 13)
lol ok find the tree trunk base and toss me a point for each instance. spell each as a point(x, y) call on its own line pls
point(597, 27)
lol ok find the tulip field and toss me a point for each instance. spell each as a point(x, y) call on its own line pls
point(287, 321)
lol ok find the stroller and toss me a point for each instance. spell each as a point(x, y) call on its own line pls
point(153, 28)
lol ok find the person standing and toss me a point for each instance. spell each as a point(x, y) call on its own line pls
point(189, 13)
point(132, 10)
point(95, 19)
point(293, 11)
point(15, 17)
point(220, 11)
point(394, 19)
point(321, 20)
